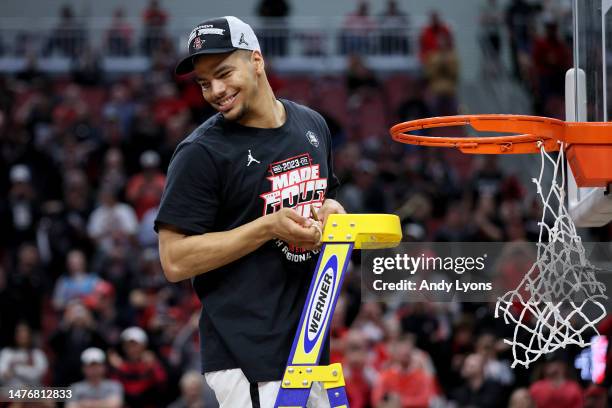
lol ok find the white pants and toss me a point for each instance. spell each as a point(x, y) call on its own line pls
point(233, 390)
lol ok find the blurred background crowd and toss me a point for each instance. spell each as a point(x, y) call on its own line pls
point(83, 298)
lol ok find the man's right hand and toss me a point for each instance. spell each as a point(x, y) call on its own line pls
point(287, 225)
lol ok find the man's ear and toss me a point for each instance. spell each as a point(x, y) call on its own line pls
point(258, 61)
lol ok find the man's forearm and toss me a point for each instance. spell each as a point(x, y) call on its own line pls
point(186, 256)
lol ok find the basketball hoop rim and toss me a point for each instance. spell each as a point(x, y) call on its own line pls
point(530, 132)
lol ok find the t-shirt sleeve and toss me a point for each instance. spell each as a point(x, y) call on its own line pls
point(332, 181)
point(191, 197)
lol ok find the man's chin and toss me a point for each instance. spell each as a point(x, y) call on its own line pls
point(234, 114)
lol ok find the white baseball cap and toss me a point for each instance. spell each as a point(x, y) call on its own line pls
point(134, 334)
point(149, 158)
point(217, 36)
point(93, 355)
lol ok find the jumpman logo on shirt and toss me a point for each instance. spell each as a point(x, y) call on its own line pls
point(251, 159)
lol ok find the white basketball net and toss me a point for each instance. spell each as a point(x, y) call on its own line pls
point(558, 301)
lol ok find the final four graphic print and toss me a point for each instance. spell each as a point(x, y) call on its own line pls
point(295, 183)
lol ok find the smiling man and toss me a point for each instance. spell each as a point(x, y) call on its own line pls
point(234, 215)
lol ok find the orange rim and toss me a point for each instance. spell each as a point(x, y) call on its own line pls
point(529, 133)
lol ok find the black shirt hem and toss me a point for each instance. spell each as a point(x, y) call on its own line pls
point(258, 376)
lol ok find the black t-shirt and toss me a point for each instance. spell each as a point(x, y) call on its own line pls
point(225, 175)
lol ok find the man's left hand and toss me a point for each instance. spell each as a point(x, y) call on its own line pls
point(329, 207)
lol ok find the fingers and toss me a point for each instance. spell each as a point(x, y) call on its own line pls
point(294, 216)
point(329, 207)
point(297, 230)
point(323, 216)
point(318, 226)
point(294, 228)
point(298, 233)
point(311, 245)
point(316, 244)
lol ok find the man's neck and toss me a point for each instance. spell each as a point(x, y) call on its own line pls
point(269, 113)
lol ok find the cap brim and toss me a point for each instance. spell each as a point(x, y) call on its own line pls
point(185, 66)
point(134, 339)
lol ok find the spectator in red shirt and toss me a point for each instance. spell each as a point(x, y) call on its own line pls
point(338, 331)
point(144, 189)
point(596, 397)
point(432, 34)
point(142, 376)
point(556, 389)
point(359, 375)
point(381, 350)
point(167, 103)
point(405, 379)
